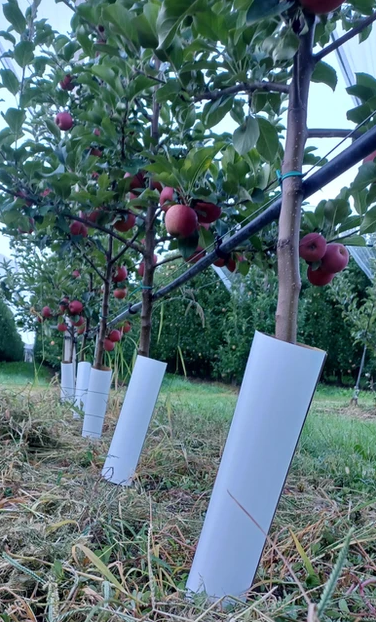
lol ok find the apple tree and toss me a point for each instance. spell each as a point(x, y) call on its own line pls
point(113, 146)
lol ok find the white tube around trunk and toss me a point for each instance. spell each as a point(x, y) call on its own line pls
point(82, 385)
point(133, 423)
point(275, 396)
point(96, 402)
point(67, 382)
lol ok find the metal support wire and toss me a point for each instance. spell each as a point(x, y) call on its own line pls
point(348, 158)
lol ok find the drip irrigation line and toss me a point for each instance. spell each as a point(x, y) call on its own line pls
point(348, 158)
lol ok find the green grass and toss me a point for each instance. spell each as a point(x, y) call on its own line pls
point(54, 501)
point(19, 373)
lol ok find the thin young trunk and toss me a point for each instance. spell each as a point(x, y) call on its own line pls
point(98, 363)
point(147, 304)
point(147, 292)
point(85, 336)
point(290, 218)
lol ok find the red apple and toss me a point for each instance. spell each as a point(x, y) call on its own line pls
point(220, 262)
point(75, 307)
point(319, 277)
point(79, 322)
point(76, 274)
point(120, 275)
point(166, 198)
point(127, 327)
point(63, 304)
point(115, 335)
point(46, 312)
point(181, 221)
point(141, 267)
point(46, 192)
point(312, 247)
point(320, 7)
point(335, 259)
point(207, 212)
point(96, 152)
point(126, 223)
point(78, 228)
point(64, 121)
point(137, 182)
point(197, 255)
point(62, 328)
point(370, 157)
point(81, 329)
point(66, 83)
point(120, 293)
point(97, 132)
point(231, 265)
point(108, 345)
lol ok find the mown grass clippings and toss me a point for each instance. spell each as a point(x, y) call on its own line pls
point(76, 548)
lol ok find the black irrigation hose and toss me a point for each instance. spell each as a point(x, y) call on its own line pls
point(356, 152)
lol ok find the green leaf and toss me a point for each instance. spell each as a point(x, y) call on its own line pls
point(369, 222)
point(10, 81)
point(24, 53)
point(187, 246)
point(198, 161)
point(268, 142)
point(13, 14)
point(214, 112)
point(168, 92)
point(121, 19)
point(326, 74)
point(146, 36)
point(261, 9)
point(365, 176)
point(105, 73)
point(336, 211)
point(171, 15)
point(15, 119)
point(53, 128)
point(7, 36)
point(139, 85)
point(246, 136)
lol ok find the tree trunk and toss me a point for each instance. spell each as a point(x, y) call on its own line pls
point(290, 218)
point(98, 363)
point(147, 292)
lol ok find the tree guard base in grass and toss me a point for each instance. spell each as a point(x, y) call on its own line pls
point(134, 419)
point(275, 396)
point(67, 382)
point(82, 385)
point(96, 402)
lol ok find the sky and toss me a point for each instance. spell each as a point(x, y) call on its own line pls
point(327, 109)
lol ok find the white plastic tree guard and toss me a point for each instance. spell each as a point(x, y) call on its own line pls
point(96, 402)
point(275, 396)
point(67, 382)
point(82, 386)
point(133, 423)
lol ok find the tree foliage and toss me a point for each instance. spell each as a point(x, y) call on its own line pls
point(11, 345)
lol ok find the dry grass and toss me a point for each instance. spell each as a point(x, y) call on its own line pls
point(77, 548)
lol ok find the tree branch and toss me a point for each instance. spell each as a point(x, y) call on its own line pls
point(84, 255)
point(333, 133)
point(270, 87)
point(168, 260)
point(123, 250)
point(94, 225)
point(349, 35)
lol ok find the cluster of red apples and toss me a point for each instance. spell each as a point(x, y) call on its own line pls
point(72, 308)
point(325, 260)
point(114, 336)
